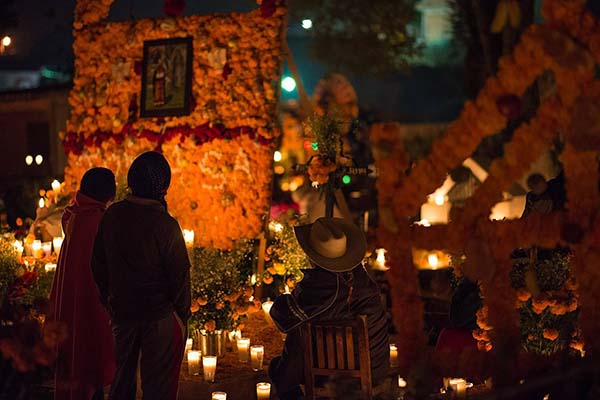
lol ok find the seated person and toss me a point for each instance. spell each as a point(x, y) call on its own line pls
point(337, 289)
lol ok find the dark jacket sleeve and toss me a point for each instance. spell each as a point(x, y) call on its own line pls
point(177, 265)
point(100, 267)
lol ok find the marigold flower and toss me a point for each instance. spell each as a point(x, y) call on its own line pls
point(550, 334)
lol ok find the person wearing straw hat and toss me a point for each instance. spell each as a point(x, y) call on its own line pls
point(338, 288)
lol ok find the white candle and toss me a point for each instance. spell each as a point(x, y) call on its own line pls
point(41, 202)
point(193, 358)
point(402, 382)
point(36, 249)
point(209, 363)
point(393, 355)
point(55, 185)
point(266, 306)
point(50, 267)
point(188, 344)
point(459, 386)
point(256, 355)
point(18, 245)
point(188, 237)
point(243, 344)
point(47, 248)
point(263, 391)
point(57, 243)
point(218, 396)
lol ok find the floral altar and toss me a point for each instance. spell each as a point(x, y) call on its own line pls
point(221, 152)
point(566, 44)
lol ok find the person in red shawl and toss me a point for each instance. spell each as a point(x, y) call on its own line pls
point(85, 362)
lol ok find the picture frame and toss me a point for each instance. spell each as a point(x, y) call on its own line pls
point(166, 77)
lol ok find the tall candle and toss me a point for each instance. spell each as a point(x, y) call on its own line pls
point(36, 249)
point(243, 345)
point(393, 355)
point(193, 358)
point(18, 245)
point(256, 355)
point(209, 363)
point(263, 391)
point(218, 396)
point(459, 386)
point(57, 243)
point(188, 344)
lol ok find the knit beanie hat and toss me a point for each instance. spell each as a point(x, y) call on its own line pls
point(98, 184)
point(149, 176)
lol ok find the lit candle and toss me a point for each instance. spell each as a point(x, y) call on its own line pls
point(243, 345)
point(266, 306)
point(55, 185)
point(402, 382)
point(188, 237)
point(393, 355)
point(209, 363)
point(459, 386)
point(18, 245)
point(188, 344)
point(57, 243)
point(50, 267)
point(263, 391)
point(256, 356)
point(41, 203)
point(193, 358)
point(47, 248)
point(218, 396)
point(380, 260)
point(36, 249)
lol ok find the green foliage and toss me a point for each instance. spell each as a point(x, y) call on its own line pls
point(551, 273)
point(216, 277)
point(284, 255)
point(9, 266)
point(361, 36)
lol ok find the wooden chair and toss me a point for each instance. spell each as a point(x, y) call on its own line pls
point(333, 350)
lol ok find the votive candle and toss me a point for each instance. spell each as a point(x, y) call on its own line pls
point(50, 267)
point(263, 390)
point(193, 359)
point(57, 243)
point(218, 396)
point(243, 345)
point(209, 364)
point(256, 356)
point(459, 386)
point(36, 249)
point(393, 355)
point(47, 249)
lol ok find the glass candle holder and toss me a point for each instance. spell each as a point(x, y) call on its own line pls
point(218, 396)
point(209, 364)
point(263, 391)
point(36, 249)
point(257, 354)
point(188, 344)
point(393, 355)
point(47, 249)
point(459, 386)
point(193, 359)
point(243, 345)
point(57, 244)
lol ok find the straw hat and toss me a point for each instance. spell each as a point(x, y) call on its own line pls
point(332, 243)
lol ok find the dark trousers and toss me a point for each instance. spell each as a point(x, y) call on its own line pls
point(287, 371)
point(161, 344)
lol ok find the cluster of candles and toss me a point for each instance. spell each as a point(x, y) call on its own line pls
point(254, 354)
point(38, 248)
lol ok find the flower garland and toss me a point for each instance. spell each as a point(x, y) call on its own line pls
point(221, 152)
point(540, 48)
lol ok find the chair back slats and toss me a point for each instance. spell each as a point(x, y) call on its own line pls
point(339, 347)
point(330, 349)
point(350, 348)
point(320, 347)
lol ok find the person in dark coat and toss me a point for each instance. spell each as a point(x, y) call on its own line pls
point(337, 289)
point(142, 270)
point(85, 362)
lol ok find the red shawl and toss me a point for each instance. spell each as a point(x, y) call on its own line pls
point(86, 359)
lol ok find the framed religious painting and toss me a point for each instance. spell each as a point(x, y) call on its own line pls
point(166, 77)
